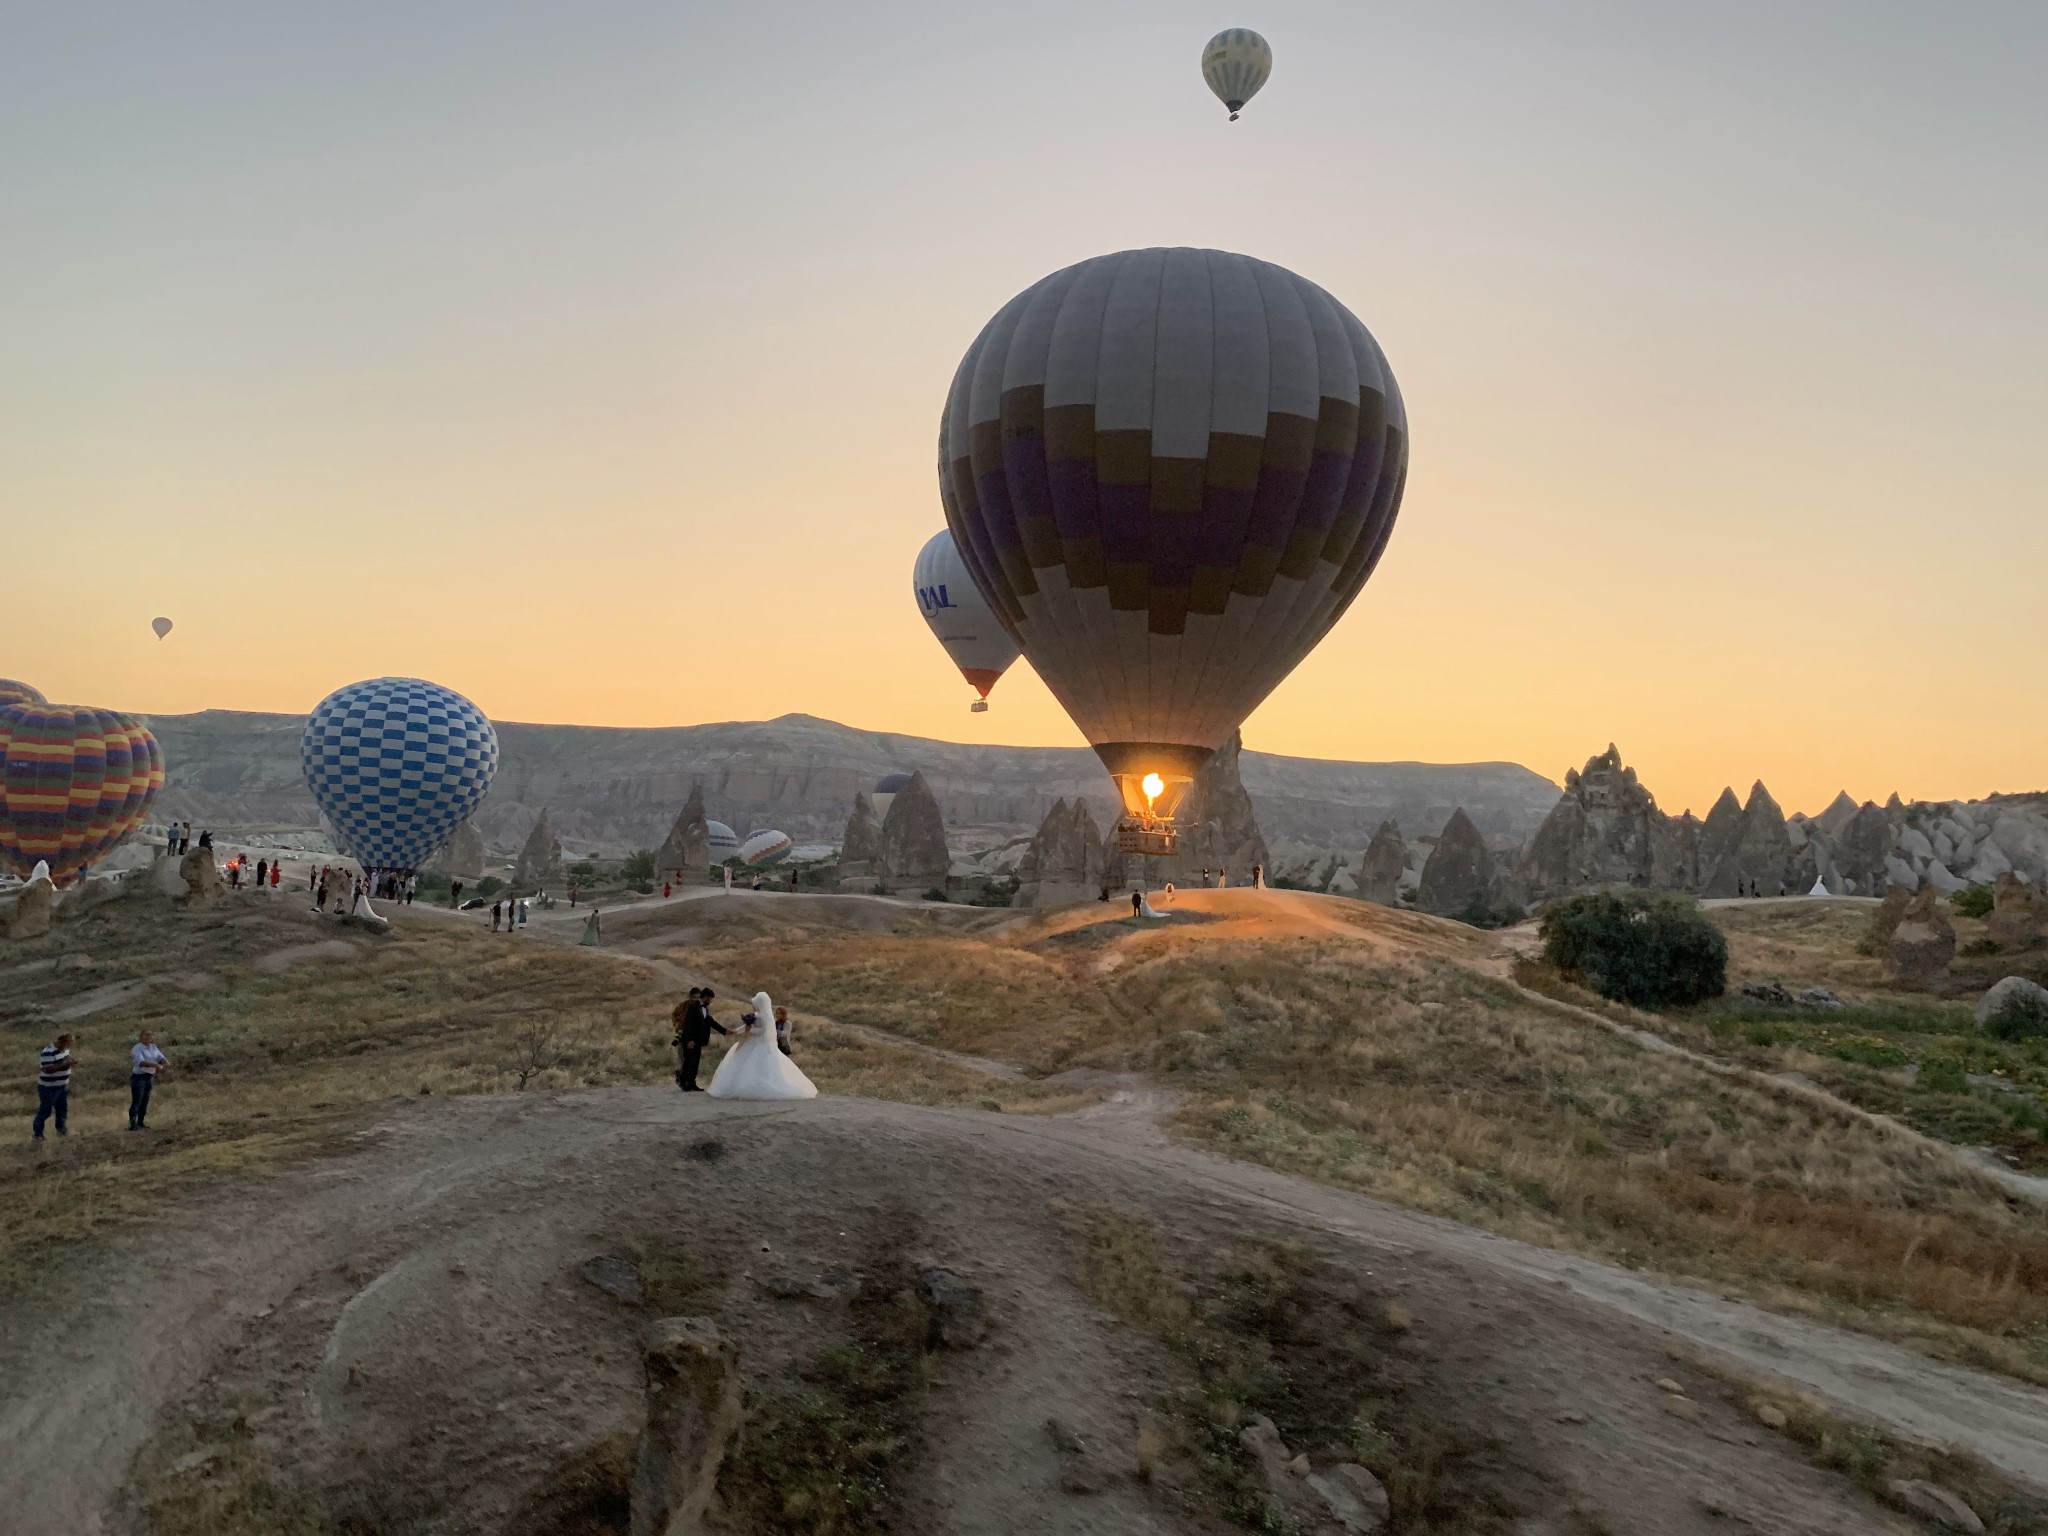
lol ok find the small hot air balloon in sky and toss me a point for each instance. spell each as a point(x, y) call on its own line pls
point(161, 626)
point(397, 764)
point(12, 692)
point(1236, 62)
point(74, 782)
point(961, 617)
point(1170, 472)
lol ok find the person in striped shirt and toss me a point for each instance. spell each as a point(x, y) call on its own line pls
point(53, 1085)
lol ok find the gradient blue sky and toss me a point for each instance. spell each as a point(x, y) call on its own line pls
point(588, 358)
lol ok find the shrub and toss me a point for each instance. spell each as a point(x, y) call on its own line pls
point(2020, 1017)
point(1973, 901)
point(936, 893)
point(490, 885)
point(639, 867)
point(1868, 1051)
point(1637, 949)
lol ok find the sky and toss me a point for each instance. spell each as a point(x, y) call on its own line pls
point(588, 359)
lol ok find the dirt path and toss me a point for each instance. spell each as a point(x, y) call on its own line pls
point(432, 1274)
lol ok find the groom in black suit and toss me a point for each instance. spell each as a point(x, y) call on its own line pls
point(694, 1025)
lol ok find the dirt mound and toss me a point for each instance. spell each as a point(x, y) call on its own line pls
point(346, 1349)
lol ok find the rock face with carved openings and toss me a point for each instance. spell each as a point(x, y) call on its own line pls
point(1922, 945)
point(540, 861)
point(1460, 870)
point(914, 856)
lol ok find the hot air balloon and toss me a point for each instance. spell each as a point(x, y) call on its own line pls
point(397, 764)
point(74, 782)
point(961, 617)
point(721, 841)
point(12, 692)
point(1170, 472)
point(161, 626)
point(1236, 62)
point(764, 848)
point(887, 787)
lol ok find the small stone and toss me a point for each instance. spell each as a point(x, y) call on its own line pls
point(1081, 1478)
point(1666, 1384)
point(1935, 1502)
point(1572, 1416)
point(192, 1461)
point(1064, 1438)
point(1682, 1408)
point(616, 1277)
point(1770, 1415)
point(956, 1316)
point(1353, 1496)
point(1299, 1466)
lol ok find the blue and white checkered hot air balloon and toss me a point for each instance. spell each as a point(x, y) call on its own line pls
point(397, 764)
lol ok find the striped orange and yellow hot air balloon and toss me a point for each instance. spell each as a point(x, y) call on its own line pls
point(74, 782)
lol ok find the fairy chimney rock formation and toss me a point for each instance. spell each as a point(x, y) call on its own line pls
point(1379, 876)
point(914, 839)
point(1460, 870)
point(1218, 827)
point(1065, 860)
point(1922, 945)
point(687, 848)
point(462, 856)
point(540, 861)
point(1863, 842)
point(1607, 830)
point(1753, 855)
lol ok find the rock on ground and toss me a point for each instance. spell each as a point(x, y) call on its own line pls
point(2016, 997)
point(1922, 945)
point(1935, 1502)
point(2019, 914)
point(201, 876)
point(693, 1411)
point(29, 917)
point(540, 859)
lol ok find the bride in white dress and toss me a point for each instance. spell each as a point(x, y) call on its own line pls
point(754, 1068)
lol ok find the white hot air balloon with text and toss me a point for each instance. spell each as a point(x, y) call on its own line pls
point(960, 616)
point(1236, 62)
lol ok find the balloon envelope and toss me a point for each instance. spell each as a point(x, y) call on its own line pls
point(959, 615)
point(721, 840)
point(765, 847)
point(12, 692)
point(397, 764)
point(1236, 62)
point(73, 783)
point(1170, 472)
point(161, 626)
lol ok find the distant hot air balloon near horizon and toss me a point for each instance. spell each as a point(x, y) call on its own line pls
point(161, 626)
point(721, 841)
point(765, 847)
point(12, 692)
point(960, 616)
point(1170, 472)
point(884, 794)
point(397, 764)
point(74, 782)
point(1236, 62)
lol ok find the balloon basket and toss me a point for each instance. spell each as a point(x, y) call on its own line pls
point(978, 707)
point(1155, 840)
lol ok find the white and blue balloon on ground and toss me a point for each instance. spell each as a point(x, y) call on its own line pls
point(765, 847)
point(721, 840)
point(961, 617)
point(397, 764)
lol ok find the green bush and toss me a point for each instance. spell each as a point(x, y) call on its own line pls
point(490, 885)
point(1974, 901)
point(1637, 949)
point(2021, 1018)
point(639, 867)
point(1868, 1051)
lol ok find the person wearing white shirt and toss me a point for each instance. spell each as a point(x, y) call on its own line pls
point(144, 1062)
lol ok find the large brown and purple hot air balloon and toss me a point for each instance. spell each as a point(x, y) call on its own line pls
point(73, 783)
point(1170, 472)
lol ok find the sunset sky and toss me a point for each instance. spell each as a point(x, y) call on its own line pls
point(588, 358)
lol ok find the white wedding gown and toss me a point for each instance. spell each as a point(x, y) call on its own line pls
point(755, 1069)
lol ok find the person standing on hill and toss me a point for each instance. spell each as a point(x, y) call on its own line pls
point(144, 1062)
point(53, 1086)
point(497, 907)
point(694, 1027)
point(262, 873)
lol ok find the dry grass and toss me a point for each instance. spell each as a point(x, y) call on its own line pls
point(270, 1069)
point(1440, 1088)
